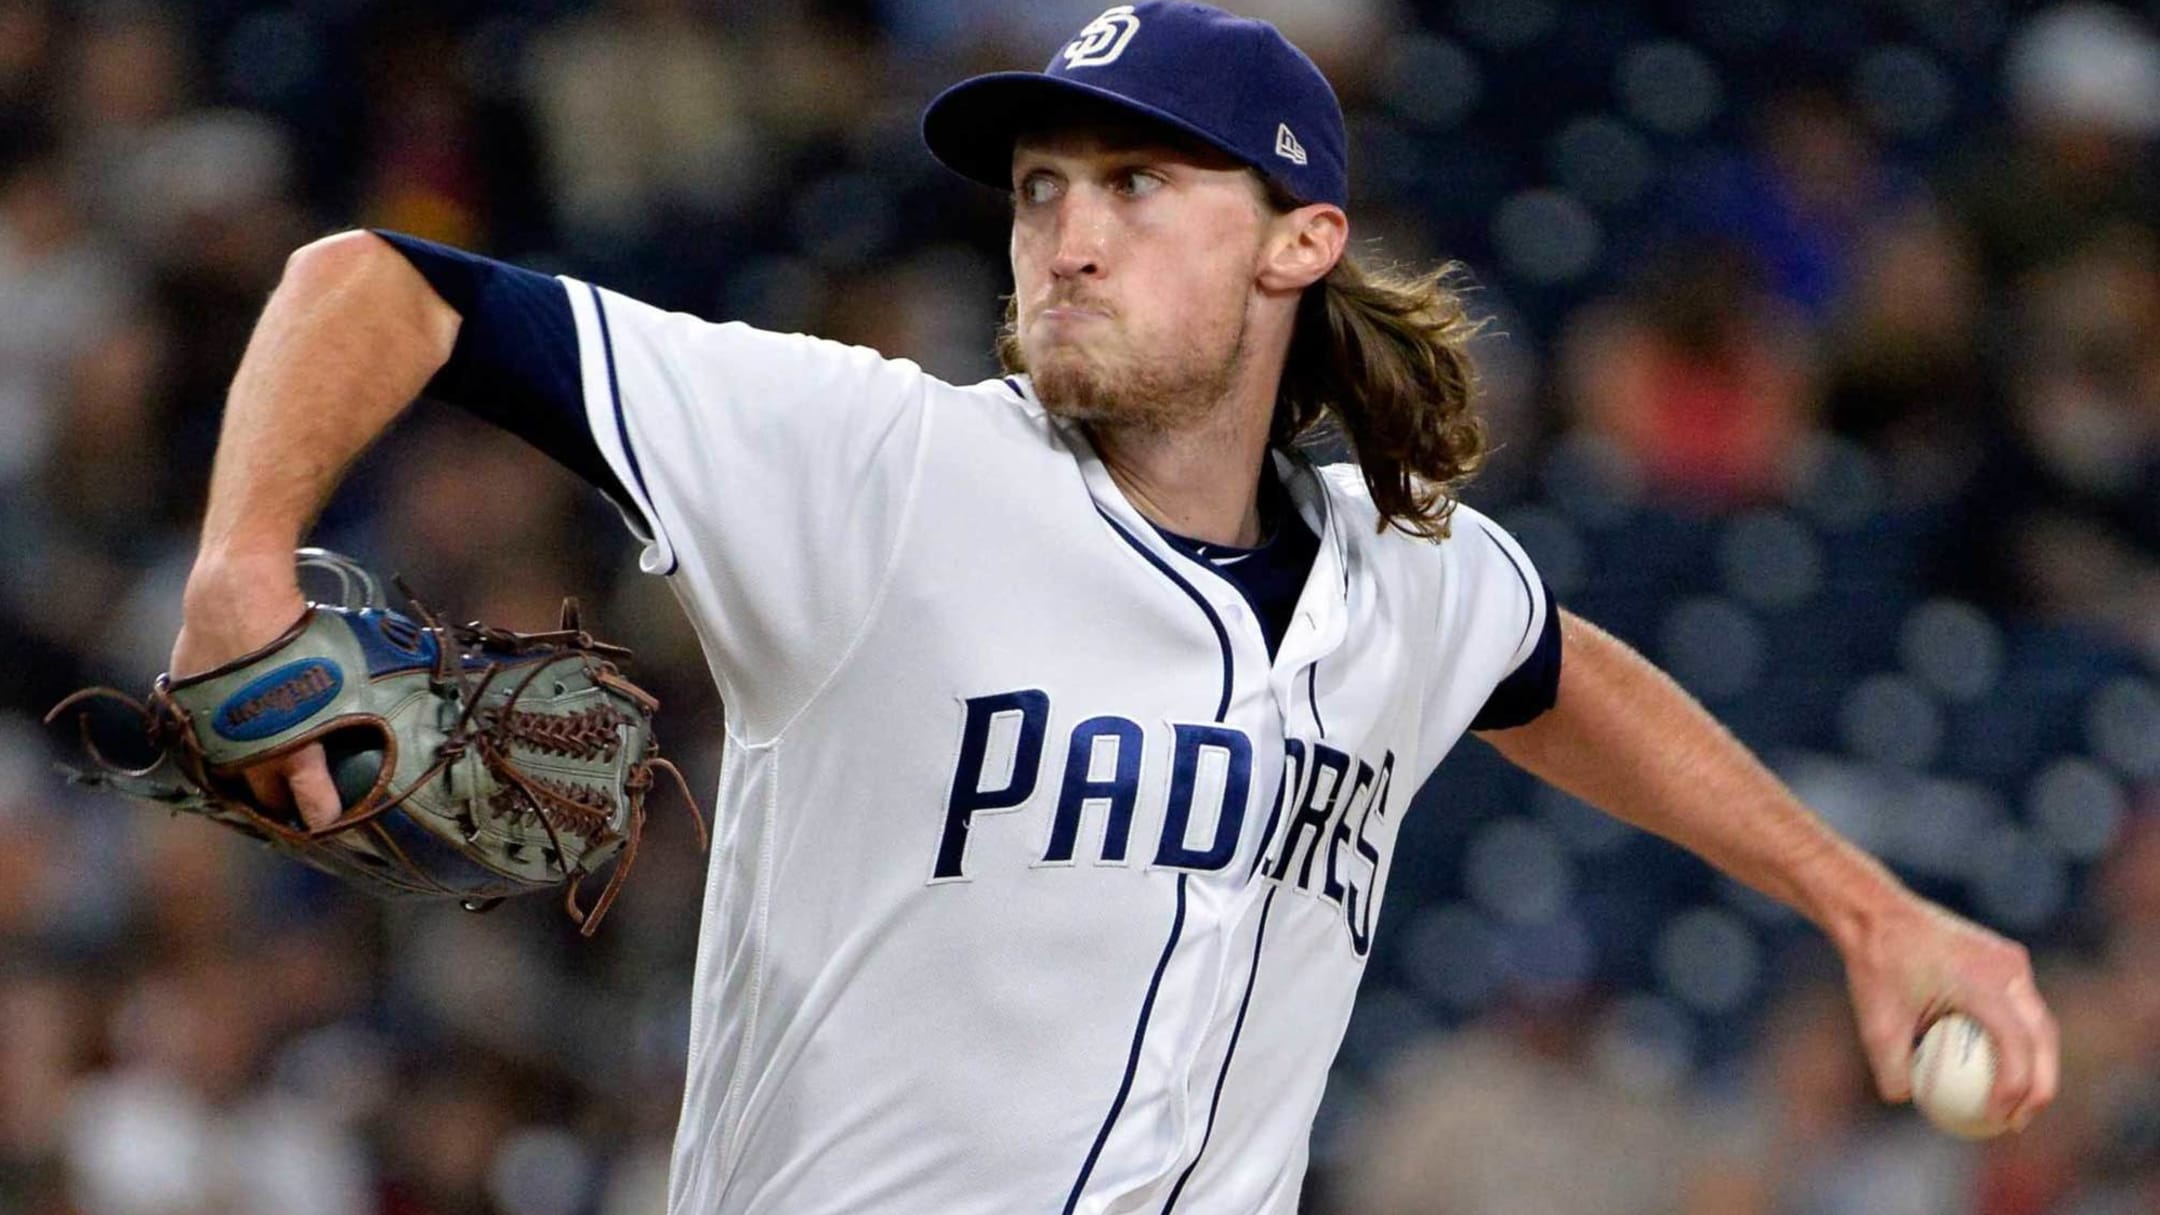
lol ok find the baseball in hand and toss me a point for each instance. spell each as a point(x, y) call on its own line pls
point(1951, 1075)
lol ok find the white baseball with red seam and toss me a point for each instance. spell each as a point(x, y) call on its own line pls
point(1951, 1075)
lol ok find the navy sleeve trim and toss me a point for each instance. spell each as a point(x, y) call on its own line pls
point(516, 360)
point(622, 429)
point(1532, 595)
point(1531, 688)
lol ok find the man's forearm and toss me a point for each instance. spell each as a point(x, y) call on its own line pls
point(348, 339)
point(1625, 738)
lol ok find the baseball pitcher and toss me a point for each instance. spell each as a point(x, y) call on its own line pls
point(1071, 715)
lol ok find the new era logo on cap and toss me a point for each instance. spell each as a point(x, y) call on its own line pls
point(1287, 146)
point(1102, 40)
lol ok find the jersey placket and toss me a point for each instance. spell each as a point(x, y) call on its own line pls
point(1321, 622)
point(1235, 908)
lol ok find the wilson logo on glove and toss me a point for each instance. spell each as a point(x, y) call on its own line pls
point(278, 701)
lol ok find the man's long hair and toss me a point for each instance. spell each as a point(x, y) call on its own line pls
point(1380, 359)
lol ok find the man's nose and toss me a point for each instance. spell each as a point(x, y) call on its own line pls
point(1083, 226)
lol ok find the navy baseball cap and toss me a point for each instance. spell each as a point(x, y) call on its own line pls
point(1231, 82)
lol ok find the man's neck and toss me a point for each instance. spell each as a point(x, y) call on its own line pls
point(1201, 482)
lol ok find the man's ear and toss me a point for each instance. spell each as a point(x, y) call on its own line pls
point(1304, 245)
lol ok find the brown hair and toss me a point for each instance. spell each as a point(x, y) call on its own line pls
point(1379, 358)
point(1382, 359)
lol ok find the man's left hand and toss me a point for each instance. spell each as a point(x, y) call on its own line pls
point(1914, 963)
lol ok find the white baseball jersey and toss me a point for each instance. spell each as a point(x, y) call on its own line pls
point(1038, 884)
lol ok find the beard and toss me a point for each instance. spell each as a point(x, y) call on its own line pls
point(1166, 392)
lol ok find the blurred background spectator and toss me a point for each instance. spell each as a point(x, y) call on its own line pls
point(1826, 370)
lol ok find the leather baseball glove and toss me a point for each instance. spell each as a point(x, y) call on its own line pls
point(473, 763)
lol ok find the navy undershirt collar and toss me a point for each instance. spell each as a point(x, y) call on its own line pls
point(1271, 575)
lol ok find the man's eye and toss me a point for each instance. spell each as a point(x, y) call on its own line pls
point(1035, 188)
point(1139, 184)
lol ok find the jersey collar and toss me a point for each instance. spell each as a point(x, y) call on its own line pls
point(1318, 626)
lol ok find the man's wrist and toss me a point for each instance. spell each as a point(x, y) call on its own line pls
point(1849, 895)
point(225, 574)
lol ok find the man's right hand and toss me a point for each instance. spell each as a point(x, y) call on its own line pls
point(233, 608)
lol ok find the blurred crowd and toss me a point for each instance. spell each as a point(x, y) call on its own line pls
point(1825, 368)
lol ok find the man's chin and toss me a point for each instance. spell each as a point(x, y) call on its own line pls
point(1070, 386)
point(1079, 391)
point(1077, 387)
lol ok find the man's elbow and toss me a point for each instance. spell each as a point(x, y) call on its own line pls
point(360, 265)
point(337, 258)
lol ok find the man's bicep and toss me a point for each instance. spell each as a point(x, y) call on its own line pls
point(1617, 723)
point(517, 362)
point(767, 473)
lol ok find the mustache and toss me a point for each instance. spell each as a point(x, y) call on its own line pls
point(1075, 299)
